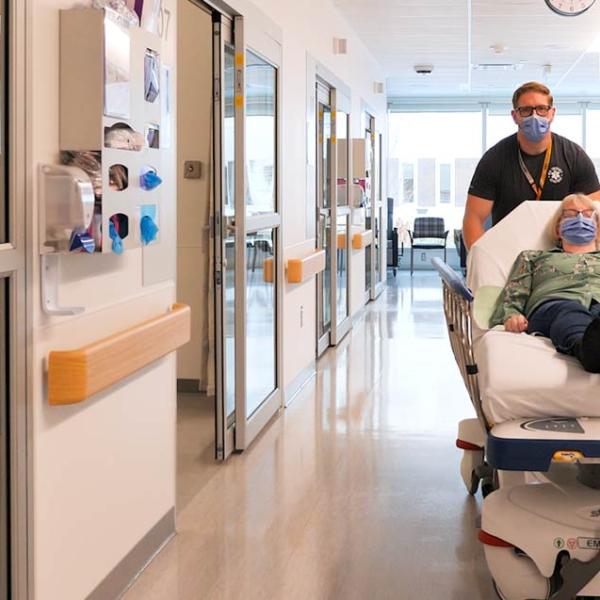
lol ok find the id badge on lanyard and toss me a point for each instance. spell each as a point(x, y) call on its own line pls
point(537, 188)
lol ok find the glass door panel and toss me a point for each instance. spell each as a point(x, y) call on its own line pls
point(343, 227)
point(369, 184)
point(260, 135)
point(258, 255)
point(342, 240)
point(324, 167)
point(229, 233)
point(225, 235)
point(378, 241)
point(261, 303)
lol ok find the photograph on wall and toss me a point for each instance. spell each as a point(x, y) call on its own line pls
point(151, 75)
point(117, 69)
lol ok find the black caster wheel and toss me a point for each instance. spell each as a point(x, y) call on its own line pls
point(474, 484)
point(487, 486)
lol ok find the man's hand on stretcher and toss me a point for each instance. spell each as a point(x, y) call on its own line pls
point(516, 324)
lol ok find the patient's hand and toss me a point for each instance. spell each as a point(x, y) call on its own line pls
point(516, 324)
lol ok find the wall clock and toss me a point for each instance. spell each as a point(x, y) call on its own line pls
point(570, 8)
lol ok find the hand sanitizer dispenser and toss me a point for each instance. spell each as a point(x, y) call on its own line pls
point(67, 208)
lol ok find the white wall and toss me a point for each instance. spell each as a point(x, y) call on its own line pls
point(104, 470)
point(194, 135)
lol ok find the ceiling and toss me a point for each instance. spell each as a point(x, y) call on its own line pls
point(451, 34)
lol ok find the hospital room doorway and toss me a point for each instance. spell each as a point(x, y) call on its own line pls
point(332, 211)
point(373, 206)
point(229, 264)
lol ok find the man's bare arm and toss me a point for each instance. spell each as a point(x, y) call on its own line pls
point(477, 211)
point(595, 195)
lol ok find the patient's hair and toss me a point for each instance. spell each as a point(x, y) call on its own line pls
point(583, 199)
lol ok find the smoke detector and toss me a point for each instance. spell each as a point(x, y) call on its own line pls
point(423, 69)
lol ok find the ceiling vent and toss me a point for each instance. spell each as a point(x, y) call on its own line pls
point(497, 66)
point(423, 69)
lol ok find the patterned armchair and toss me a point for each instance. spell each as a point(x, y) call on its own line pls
point(428, 234)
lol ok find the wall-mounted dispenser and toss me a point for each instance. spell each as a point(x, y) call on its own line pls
point(66, 213)
point(67, 209)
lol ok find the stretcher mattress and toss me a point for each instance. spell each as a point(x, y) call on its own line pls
point(522, 375)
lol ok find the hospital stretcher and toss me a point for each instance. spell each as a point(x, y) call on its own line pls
point(534, 446)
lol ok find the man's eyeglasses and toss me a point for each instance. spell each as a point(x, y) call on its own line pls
point(588, 213)
point(526, 111)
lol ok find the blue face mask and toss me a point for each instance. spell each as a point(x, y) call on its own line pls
point(534, 128)
point(578, 230)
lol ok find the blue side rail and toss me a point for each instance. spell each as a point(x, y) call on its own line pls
point(453, 279)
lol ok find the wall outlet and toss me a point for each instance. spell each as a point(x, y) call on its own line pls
point(423, 257)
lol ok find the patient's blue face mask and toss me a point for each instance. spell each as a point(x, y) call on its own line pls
point(534, 128)
point(578, 230)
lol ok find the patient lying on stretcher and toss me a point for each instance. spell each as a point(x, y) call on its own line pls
point(556, 293)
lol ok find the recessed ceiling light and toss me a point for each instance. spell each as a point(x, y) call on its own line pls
point(497, 66)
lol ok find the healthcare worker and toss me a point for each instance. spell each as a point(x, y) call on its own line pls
point(532, 164)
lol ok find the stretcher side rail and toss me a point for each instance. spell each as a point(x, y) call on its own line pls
point(458, 300)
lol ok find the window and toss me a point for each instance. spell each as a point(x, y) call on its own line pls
point(260, 135)
point(426, 150)
point(445, 184)
point(408, 182)
point(593, 141)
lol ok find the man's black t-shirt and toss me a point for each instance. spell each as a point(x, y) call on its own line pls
point(498, 176)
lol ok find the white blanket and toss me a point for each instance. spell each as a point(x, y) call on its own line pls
point(522, 375)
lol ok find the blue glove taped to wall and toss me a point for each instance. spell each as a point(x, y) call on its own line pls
point(149, 180)
point(148, 230)
point(117, 242)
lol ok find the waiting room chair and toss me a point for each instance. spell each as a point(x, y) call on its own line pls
point(428, 234)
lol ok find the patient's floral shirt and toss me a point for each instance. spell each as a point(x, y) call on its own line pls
point(540, 275)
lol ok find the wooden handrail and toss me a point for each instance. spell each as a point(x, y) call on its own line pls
point(302, 269)
point(362, 239)
point(75, 375)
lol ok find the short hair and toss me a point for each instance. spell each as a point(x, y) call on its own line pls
point(586, 201)
point(532, 86)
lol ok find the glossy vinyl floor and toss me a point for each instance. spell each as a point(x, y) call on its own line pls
point(353, 492)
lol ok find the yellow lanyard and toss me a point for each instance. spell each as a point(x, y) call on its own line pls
point(537, 188)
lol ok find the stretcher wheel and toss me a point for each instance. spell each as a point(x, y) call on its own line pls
point(515, 576)
point(487, 486)
point(471, 459)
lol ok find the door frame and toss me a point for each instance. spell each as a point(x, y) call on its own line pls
point(256, 40)
point(325, 340)
point(339, 99)
point(17, 259)
point(370, 121)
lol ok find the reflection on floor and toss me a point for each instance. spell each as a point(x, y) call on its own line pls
point(195, 445)
point(354, 492)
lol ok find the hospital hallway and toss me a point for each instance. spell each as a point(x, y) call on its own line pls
point(354, 492)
